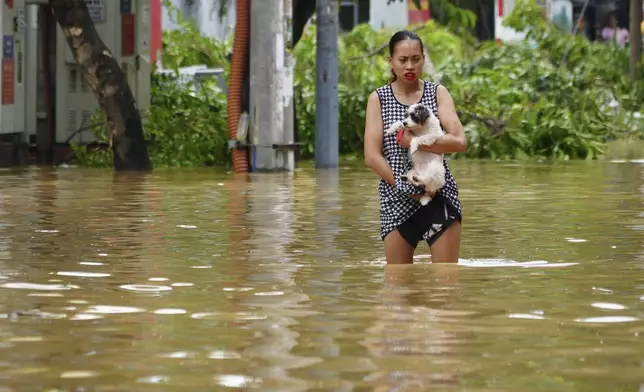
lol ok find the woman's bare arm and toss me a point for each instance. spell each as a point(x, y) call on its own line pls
point(373, 138)
point(454, 139)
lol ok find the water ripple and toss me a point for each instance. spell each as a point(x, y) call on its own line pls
point(200, 279)
point(38, 286)
point(82, 274)
point(109, 309)
point(145, 288)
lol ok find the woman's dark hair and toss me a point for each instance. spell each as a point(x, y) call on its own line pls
point(402, 35)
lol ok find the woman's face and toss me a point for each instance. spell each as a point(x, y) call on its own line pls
point(407, 60)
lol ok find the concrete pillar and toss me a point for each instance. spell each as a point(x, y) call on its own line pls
point(271, 86)
point(288, 154)
point(326, 91)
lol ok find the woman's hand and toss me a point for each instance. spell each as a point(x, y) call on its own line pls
point(404, 138)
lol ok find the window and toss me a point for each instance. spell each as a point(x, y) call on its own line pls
point(348, 15)
point(352, 13)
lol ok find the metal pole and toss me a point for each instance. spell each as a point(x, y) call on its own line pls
point(574, 32)
point(326, 92)
point(288, 155)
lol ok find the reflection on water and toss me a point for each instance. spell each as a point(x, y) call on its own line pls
point(408, 341)
point(205, 280)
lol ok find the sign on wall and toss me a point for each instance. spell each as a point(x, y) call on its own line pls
point(7, 81)
point(7, 46)
point(416, 15)
point(126, 6)
point(127, 35)
point(96, 10)
point(20, 19)
point(8, 71)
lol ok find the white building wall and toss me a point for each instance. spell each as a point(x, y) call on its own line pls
point(503, 8)
point(394, 15)
point(206, 15)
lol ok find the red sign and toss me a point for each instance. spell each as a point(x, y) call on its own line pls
point(156, 31)
point(415, 15)
point(8, 75)
point(127, 35)
point(9, 3)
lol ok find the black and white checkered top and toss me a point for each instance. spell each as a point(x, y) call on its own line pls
point(395, 204)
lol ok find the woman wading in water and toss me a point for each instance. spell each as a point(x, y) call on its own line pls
point(403, 221)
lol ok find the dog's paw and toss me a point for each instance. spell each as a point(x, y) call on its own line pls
point(425, 200)
point(394, 127)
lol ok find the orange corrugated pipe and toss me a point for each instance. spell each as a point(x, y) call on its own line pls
point(236, 80)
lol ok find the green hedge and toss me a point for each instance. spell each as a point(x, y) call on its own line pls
point(517, 100)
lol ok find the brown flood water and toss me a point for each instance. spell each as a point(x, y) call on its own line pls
point(197, 280)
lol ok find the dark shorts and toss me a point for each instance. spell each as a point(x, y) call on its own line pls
point(435, 218)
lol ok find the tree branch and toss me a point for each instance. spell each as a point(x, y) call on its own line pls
point(495, 125)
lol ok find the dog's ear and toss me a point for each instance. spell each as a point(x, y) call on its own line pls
point(420, 114)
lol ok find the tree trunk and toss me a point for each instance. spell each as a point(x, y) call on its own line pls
point(102, 72)
point(636, 36)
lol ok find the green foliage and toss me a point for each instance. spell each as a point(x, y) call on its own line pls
point(550, 108)
point(187, 129)
point(363, 67)
point(182, 129)
point(187, 123)
point(186, 46)
point(452, 16)
point(517, 100)
point(449, 14)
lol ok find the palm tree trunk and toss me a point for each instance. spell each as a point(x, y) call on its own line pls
point(107, 80)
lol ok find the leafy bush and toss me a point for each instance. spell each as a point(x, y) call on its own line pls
point(516, 100)
point(186, 46)
point(186, 125)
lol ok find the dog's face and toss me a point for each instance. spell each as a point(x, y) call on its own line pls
point(417, 116)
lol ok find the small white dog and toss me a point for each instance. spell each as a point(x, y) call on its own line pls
point(428, 170)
